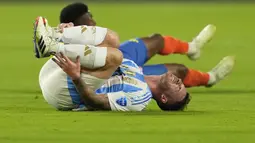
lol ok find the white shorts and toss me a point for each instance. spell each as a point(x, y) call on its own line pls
point(58, 89)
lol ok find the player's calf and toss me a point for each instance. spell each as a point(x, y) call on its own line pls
point(45, 42)
point(165, 45)
point(91, 57)
point(154, 44)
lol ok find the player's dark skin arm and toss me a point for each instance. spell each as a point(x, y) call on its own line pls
point(73, 69)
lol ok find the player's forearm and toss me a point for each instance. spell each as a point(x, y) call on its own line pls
point(89, 96)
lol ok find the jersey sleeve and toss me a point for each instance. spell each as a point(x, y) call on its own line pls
point(86, 35)
point(121, 101)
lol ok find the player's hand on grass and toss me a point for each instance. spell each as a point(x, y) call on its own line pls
point(71, 68)
point(64, 25)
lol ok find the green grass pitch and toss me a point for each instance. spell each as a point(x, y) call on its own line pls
point(222, 114)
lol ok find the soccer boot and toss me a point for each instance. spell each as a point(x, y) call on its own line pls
point(221, 70)
point(200, 40)
point(44, 41)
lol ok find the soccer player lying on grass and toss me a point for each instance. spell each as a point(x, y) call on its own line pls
point(217, 73)
point(106, 81)
point(140, 50)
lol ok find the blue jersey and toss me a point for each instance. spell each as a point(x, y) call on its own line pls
point(136, 50)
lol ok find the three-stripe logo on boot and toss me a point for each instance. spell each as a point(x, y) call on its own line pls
point(41, 45)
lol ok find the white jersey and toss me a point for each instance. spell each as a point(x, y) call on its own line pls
point(126, 90)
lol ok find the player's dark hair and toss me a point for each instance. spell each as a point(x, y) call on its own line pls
point(178, 106)
point(72, 12)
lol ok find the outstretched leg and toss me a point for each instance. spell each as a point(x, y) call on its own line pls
point(192, 77)
point(165, 45)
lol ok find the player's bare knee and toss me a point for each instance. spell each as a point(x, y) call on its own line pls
point(111, 40)
point(118, 57)
point(158, 38)
point(114, 57)
point(115, 39)
point(182, 71)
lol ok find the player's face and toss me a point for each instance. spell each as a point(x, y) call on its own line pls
point(87, 19)
point(172, 97)
point(172, 88)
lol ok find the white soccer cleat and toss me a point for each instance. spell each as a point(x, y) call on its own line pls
point(221, 70)
point(44, 42)
point(53, 32)
point(199, 41)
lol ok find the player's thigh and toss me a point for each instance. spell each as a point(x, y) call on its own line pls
point(56, 92)
point(135, 50)
point(60, 92)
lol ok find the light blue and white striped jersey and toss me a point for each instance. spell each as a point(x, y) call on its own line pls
point(127, 89)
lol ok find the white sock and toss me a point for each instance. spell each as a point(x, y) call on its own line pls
point(85, 35)
point(192, 48)
point(212, 78)
point(90, 56)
